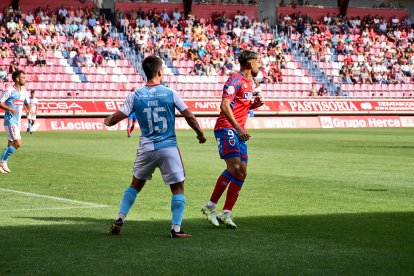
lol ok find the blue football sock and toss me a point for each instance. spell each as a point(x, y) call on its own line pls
point(3, 155)
point(177, 208)
point(127, 200)
point(30, 127)
point(9, 153)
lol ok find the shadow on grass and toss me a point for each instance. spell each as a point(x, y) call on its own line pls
point(370, 243)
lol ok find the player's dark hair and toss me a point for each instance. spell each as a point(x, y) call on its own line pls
point(247, 55)
point(33, 91)
point(16, 74)
point(151, 65)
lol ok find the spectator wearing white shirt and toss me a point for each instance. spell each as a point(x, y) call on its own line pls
point(29, 18)
point(176, 14)
point(327, 19)
point(63, 11)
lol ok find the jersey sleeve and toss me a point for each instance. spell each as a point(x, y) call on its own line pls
point(230, 87)
point(128, 106)
point(5, 95)
point(26, 98)
point(179, 103)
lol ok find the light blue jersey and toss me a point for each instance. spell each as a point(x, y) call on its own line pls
point(14, 99)
point(154, 107)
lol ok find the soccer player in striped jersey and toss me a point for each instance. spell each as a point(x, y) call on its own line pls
point(31, 116)
point(231, 136)
point(154, 105)
point(12, 101)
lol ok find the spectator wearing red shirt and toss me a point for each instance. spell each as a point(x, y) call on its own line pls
point(348, 60)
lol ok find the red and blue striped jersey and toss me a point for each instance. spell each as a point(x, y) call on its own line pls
point(239, 90)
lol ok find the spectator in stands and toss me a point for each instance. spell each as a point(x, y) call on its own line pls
point(19, 51)
point(314, 91)
point(32, 58)
point(176, 14)
point(323, 91)
point(14, 65)
point(199, 68)
point(4, 51)
point(275, 73)
point(79, 60)
point(227, 68)
point(97, 59)
point(3, 74)
point(41, 58)
point(366, 76)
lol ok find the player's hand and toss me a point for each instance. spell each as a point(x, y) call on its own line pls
point(107, 120)
point(14, 111)
point(201, 139)
point(243, 135)
point(257, 102)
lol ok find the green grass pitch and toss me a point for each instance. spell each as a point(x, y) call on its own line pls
point(316, 202)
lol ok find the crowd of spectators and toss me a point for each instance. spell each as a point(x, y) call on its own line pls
point(372, 49)
point(212, 43)
point(30, 38)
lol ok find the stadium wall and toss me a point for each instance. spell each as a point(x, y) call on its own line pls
point(67, 115)
point(332, 121)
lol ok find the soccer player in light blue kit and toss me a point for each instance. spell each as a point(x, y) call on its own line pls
point(154, 106)
point(12, 100)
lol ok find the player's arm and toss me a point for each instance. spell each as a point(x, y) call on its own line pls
point(228, 113)
point(119, 115)
point(8, 108)
point(35, 110)
point(28, 108)
point(192, 122)
point(114, 118)
point(3, 105)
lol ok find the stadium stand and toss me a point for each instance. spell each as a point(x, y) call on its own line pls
point(65, 53)
point(360, 56)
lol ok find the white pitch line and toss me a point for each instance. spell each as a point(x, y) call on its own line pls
point(56, 208)
point(55, 198)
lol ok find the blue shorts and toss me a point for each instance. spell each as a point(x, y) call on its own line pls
point(229, 144)
point(132, 116)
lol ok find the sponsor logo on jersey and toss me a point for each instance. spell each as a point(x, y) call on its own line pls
point(230, 90)
point(247, 95)
point(18, 102)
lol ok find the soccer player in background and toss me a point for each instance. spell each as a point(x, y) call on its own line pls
point(132, 118)
point(12, 101)
point(154, 105)
point(31, 116)
point(232, 137)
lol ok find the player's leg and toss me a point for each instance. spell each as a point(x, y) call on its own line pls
point(177, 210)
point(28, 124)
point(209, 209)
point(13, 133)
point(228, 148)
point(2, 156)
point(173, 174)
point(237, 166)
point(129, 127)
point(128, 199)
point(31, 126)
point(144, 166)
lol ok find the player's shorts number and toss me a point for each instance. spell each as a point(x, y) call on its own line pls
point(155, 120)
